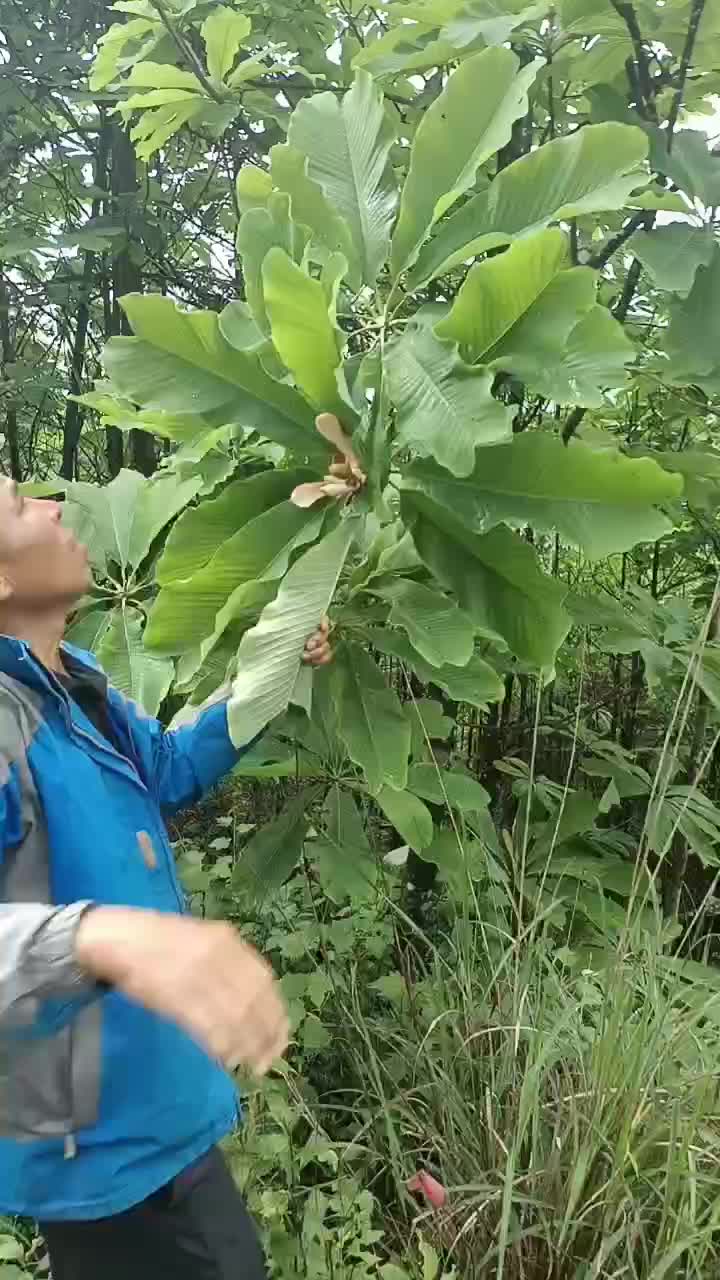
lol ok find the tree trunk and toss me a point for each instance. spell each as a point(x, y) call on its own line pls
point(7, 351)
point(74, 415)
point(127, 276)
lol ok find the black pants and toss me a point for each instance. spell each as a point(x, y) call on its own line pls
point(196, 1228)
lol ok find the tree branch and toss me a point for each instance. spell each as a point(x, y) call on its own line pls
point(696, 13)
point(626, 11)
point(188, 53)
point(603, 256)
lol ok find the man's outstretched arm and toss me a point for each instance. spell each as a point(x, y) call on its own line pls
point(184, 763)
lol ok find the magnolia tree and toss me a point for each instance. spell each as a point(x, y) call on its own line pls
point(423, 341)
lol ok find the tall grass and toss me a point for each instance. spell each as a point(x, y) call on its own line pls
point(573, 1116)
point(574, 1120)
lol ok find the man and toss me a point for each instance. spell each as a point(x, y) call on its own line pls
point(118, 1013)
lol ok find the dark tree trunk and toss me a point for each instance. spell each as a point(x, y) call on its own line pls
point(7, 350)
point(74, 415)
point(127, 276)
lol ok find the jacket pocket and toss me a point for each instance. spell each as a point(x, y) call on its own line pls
point(50, 1086)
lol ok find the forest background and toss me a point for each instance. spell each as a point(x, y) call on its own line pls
point(482, 848)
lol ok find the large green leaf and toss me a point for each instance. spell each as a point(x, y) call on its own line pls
point(272, 852)
point(371, 721)
point(435, 626)
point(185, 612)
point(496, 578)
point(597, 499)
point(199, 532)
point(259, 231)
point(672, 254)
point(691, 164)
point(497, 293)
point(301, 311)
point(224, 32)
point(477, 683)
point(309, 204)
point(408, 815)
point(522, 315)
point(441, 33)
point(465, 125)
point(593, 359)
point(693, 335)
point(590, 171)
point(138, 674)
point(180, 361)
point(462, 21)
point(448, 787)
point(444, 407)
point(347, 143)
point(120, 521)
point(346, 865)
point(270, 654)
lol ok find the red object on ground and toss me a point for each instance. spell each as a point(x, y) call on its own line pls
point(429, 1187)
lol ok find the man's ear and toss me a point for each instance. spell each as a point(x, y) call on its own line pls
point(6, 589)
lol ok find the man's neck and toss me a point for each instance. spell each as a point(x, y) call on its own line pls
point(42, 633)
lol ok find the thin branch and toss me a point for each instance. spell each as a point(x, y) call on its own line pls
point(696, 13)
point(628, 293)
point(645, 85)
point(603, 256)
point(188, 53)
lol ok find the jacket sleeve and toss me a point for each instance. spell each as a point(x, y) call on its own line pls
point(42, 986)
point(184, 762)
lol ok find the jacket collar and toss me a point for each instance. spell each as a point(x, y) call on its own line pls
point(18, 660)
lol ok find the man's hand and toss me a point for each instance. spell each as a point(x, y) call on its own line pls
point(198, 974)
point(318, 650)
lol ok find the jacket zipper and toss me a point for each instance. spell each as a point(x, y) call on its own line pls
point(136, 777)
point(70, 1141)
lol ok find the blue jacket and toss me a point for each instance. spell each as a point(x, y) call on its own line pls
point(101, 1102)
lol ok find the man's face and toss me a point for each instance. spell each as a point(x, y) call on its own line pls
point(41, 564)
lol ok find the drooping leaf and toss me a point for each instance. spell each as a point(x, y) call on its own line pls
point(497, 293)
point(496, 579)
point(672, 254)
point(309, 204)
point(259, 231)
point(690, 164)
point(428, 724)
point(121, 520)
point(301, 311)
point(270, 855)
point(180, 362)
point(447, 786)
point(430, 35)
point(138, 674)
point(458, 133)
point(270, 653)
point(346, 865)
point(88, 628)
point(477, 683)
point(199, 532)
point(224, 32)
point(463, 22)
point(113, 44)
point(693, 335)
point(347, 144)
point(597, 499)
point(594, 359)
point(590, 171)
point(408, 815)
point(445, 408)
point(435, 626)
point(371, 721)
point(186, 610)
